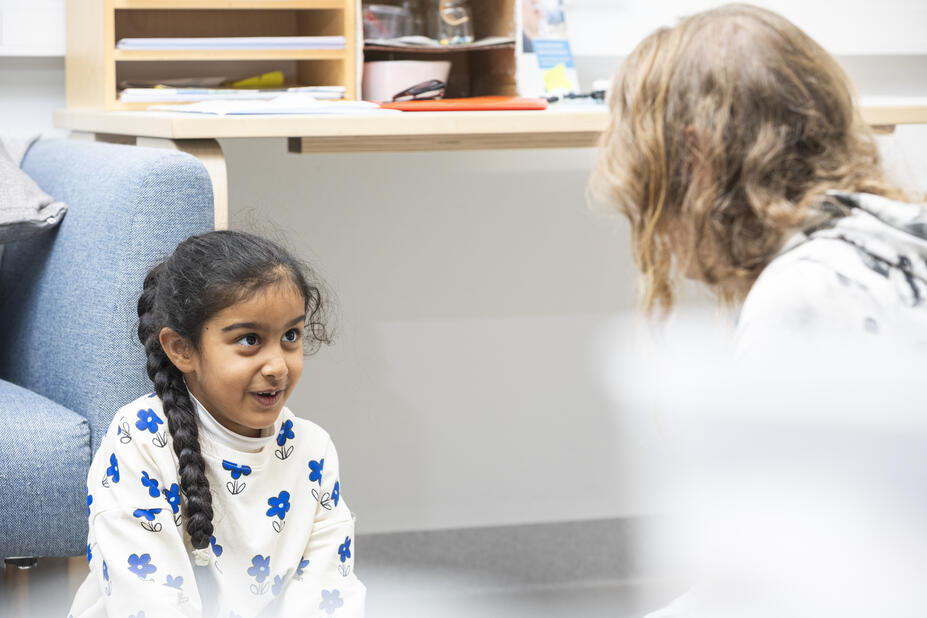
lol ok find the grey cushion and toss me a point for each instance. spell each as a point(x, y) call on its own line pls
point(43, 475)
point(25, 210)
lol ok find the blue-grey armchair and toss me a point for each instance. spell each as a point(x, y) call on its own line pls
point(69, 355)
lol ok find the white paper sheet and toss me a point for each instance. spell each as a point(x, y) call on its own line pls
point(239, 42)
point(289, 103)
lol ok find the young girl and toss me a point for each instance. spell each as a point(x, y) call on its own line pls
point(737, 153)
point(208, 496)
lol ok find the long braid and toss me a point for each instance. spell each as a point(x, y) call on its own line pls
point(181, 420)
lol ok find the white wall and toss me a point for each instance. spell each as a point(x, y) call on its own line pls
point(475, 290)
point(854, 27)
point(462, 388)
point(32, 27)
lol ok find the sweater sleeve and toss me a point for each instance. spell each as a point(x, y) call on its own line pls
point(325, 583)
point(136, 548)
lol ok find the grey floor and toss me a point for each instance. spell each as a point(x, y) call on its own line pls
point(584, 569)
point(589, 569)
point(592, 600)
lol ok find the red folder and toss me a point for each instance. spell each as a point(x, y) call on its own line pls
point(471, 104)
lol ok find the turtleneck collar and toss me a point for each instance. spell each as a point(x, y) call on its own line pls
point(217, 433)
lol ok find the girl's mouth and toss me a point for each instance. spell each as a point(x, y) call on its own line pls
point(267, 398)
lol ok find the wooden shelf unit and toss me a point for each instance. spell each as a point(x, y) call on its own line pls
point(94, 67)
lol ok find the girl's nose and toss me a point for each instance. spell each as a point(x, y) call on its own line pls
point(275, 368)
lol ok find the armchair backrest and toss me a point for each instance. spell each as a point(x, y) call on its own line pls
point(68, 297)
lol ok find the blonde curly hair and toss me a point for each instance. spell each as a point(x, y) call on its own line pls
point(724, 130)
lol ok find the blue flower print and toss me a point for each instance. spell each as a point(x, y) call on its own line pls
point(286, 433)
point(260, 568)
point(89, 554)
point(173, 497)
point(151, 484)
point(279, 505)
point(331, 600)
point(278, 585)
point(89, 502)
point(148, 514)
point(336, 493)
point(140, 614)
point(302, 565)
point(105, 571)
point(113, 469)
point(345, 549)
point(216, 548)
point(174, 582)
point(141, 565)
point(235, 469)
point(147, 419)
point(316, 474)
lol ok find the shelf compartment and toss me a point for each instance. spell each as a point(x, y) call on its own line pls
point(227, 23)
point(295, 73)
point(475, 71)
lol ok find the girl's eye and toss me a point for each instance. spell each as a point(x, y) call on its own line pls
point(248, 340)
point(291, 336)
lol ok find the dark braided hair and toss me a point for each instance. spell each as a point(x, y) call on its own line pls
point(204, 275)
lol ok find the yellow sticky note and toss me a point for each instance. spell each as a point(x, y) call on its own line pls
point(557, 79)
point(274, 79)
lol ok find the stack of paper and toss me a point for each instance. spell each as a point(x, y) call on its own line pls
point(166, 95)
point(288, 103)
point(236, 42)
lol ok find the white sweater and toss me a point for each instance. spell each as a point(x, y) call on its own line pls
point(860, 278)
point(283, 541)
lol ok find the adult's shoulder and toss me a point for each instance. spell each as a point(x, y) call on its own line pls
point(819, 289)
point(820, 275)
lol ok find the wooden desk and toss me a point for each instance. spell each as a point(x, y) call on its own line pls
point(559, 127)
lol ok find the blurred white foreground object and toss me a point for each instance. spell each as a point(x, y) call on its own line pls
point(796, 480)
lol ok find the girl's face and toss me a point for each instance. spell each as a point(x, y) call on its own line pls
point(249, 359)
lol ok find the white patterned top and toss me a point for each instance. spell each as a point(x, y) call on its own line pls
point(850, 277)
point(283, 541)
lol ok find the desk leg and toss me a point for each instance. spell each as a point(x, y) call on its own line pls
point(210, 155)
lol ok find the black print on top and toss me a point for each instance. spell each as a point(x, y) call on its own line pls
point(876, 265)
